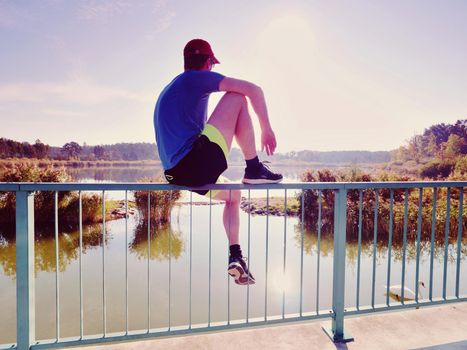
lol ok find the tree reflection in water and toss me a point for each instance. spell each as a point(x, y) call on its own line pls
point(44, 247)
point(165, 242)
point(310, 244)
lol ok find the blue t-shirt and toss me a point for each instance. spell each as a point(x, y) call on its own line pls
point(181, 113)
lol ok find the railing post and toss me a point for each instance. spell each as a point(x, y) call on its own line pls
point(25, 305)
point(336, 331)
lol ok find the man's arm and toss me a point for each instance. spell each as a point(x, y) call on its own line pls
point(256, 96)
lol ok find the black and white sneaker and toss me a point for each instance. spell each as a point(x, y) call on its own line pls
point(239, 271)
point(261, 175)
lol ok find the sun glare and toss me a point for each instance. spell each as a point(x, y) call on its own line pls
point(286, 40)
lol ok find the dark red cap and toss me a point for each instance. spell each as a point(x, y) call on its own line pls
point(199, 47)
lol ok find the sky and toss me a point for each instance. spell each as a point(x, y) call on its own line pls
point(337, 75)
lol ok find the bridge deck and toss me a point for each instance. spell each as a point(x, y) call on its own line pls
point(438, 327)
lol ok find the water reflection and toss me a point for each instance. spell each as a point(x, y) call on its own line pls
point(233, 173)
point(164, 242)
point(171, 281)
point(310, 245)
point(114, 174)
point(44, 245)
point(167, 242)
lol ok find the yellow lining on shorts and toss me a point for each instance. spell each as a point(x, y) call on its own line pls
point(214, 135)
point(220, 180)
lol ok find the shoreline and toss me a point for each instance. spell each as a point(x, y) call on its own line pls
point(258, 206)
point(79, 164)
point(96, 164)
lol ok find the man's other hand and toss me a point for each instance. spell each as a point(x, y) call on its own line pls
point(268, 142)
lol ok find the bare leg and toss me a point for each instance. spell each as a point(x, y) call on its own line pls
point(231, 216)
point(231, 118)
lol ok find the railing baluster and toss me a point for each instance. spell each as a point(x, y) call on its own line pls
point(80, 266)
point(57, 271)
point(388, 283)
point(267, 247)
point(419, 230)
point(104, 316)
point(404, 244)
point(459, 239)
point(375, 237)
point(302, 234)
point(149, 253)
point(336, 332)
point(285, 253)
point(318, 254)
point(248, 261)
point(191, 251)
point(432, 248)
point(360, 205)
point(126, 261)
point(228, 260)
point(170, 272)
point(209, 288)
point(25, 279)
point(446, 241)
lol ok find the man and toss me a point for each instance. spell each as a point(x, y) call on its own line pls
point(194, 150)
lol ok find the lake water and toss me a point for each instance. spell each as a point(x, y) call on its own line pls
point(170, 251)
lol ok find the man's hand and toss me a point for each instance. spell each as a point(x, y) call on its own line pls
point(268, 142)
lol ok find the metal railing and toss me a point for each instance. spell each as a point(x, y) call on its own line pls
point(339, 205)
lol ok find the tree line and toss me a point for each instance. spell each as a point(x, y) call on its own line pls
point(439, 152)
point(441, 146)
point(74, 151)
point(14, 149)
point(148, 151)
point(322, 156)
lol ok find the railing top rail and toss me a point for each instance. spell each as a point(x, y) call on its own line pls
point(133, 186)
point(7, 186)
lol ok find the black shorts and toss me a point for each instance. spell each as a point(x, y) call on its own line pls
point(201, 166)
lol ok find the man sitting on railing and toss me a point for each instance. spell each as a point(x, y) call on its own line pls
point(194, 150)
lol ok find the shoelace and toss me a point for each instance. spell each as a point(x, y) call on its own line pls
point(265, 164)
point(245, 259)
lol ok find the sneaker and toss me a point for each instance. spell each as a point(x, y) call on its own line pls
point(261, 175)
point(239, 271)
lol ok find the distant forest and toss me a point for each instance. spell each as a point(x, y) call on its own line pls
point(438, 141)
point(439, 153)
point(326, 157)
point(74, 151)
point(148, 151)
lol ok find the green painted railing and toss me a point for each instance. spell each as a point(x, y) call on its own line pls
point(25, 256)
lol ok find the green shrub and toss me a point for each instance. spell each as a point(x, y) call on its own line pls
point(161, 202)
point(310, 213)
point(44, 201)
point(460, 168)
point(437, 169)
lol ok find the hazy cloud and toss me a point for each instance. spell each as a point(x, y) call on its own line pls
point(55, 112)
point(79, 89)
point(10, 15)
point(94, 10)
point(103, 11)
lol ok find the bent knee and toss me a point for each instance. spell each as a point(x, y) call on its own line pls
point(235, 96)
